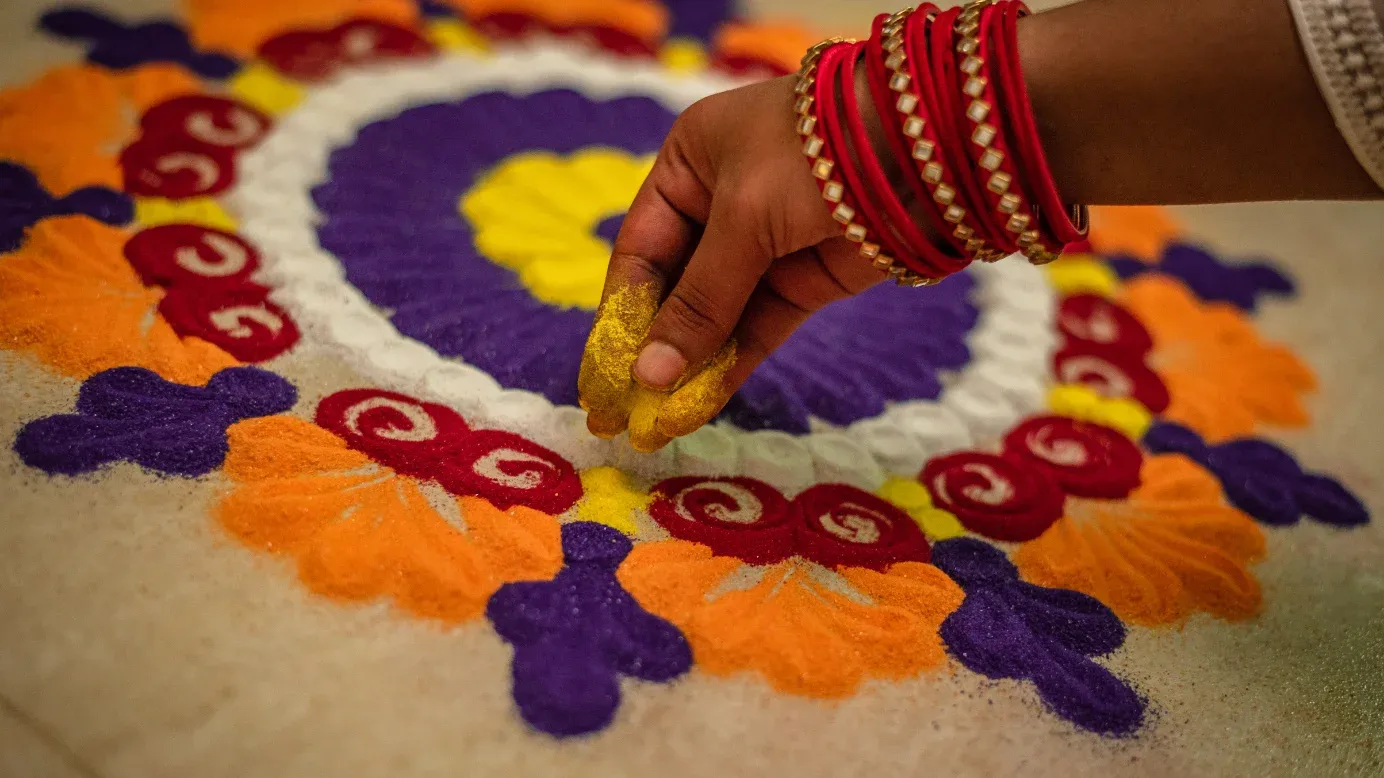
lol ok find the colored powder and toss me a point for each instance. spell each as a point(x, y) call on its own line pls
point(803, 636)
point(645, 436)
point(606, 388)
point(609, 499)
point(240, 26)
point(576, 635)
point(1006, 628)
point(914, 499)
point(700, 399)
point(359, 533)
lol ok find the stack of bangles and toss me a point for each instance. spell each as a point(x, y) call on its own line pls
point(956, 115)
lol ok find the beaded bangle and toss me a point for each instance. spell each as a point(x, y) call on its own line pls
point(922, 256)
point(845, 210)
point(950, 131)
point(912, 113)
point(988, 147)
point(1066, 225)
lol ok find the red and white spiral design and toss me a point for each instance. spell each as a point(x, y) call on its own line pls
point(738, 517)
point(211, 121)
point(1111, 374)
point(178, 254)
point(176, 168)
point(1003, 498)
point(394, 429)
point(1102, 324)
point(845, 526)
point(509, 470)
point(315, 55)
point(1086, 460)
point(242, 322)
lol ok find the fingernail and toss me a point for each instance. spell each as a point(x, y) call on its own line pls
point(659, 366)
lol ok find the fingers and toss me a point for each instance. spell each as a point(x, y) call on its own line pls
point(654, 242)
point(796, 286)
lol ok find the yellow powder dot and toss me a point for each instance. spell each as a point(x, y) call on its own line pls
point(262, 87)
point(914, 499)
point(610, 499)
point(454, 35)
point(683, 55)
point(1084, 403)
point(153, 211)
point(1082, 274)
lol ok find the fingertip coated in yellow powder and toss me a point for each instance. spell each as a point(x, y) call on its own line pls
point(696, 402)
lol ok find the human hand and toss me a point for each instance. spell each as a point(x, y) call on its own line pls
point(726, 250)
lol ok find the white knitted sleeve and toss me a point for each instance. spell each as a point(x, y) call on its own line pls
point(1345, 46)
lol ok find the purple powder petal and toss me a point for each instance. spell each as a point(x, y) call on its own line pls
point(117, 46)
point(131, 414)
point(1268, 497)
point(391, 217)
point(1165, 437)
point(1073, 620)
point(1327, 501)
point(1257, 455)
point(1006, 628)
point(24, 202)
point(698, 18)
point(574, 636)
point(1209, 278)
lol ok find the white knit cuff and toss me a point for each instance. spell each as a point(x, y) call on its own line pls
point(1345, 47)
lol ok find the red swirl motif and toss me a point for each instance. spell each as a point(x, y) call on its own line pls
point(314, 55)
point(845, 526)
point(512, 26)
point(509, 470)
point(1102, 324)
point(1002, 498)
point(183, 254)
point(738, 517)
point(1086, 460)
point(176, 168)
point(1111, 374)
point(210, 295)
point(210, 121)
point(242, 322)
point(393, 429)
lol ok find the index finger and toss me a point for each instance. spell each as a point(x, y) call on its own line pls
point(658, 235)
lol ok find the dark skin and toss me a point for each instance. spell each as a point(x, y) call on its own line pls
point(1138, 102)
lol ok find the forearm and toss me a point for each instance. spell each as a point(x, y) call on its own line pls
point(1182, 101)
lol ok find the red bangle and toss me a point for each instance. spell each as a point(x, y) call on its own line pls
point(921, 255)
point(1065, 228)
point(912, 123)
point(814, 90)
point(954, 138)
point(983, 122)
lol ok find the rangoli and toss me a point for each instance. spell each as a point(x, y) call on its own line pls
point(1005, 475)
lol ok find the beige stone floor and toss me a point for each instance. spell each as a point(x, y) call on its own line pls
point(135, 640)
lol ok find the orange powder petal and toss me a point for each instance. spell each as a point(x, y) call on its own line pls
point(1212, 581)
point(801, 636)
point(65, 127)
point(240, 26)
point(148, 85)
point(360, 532)
point(1141, 231)
point(672, 578)
point(1172, 548)
point(785, 631)
point(282, 447)
point(1222, 380)
point(778, 42)
point(69, 298)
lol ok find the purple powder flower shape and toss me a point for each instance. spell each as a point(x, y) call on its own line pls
point(1240, 284)
point(390, 207)
point(698, 18)
point(24, 202)
point(132, 414)
point(1262, 479)
point(576, 635)
point(1007, 628)
point(119, 46)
